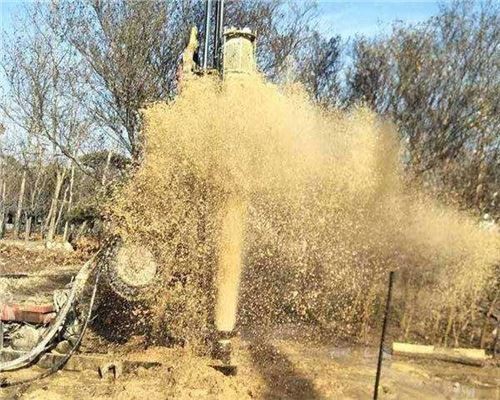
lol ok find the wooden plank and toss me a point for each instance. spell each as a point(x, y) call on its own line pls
point(471, 353)
point(475, 357)
point(398, 347)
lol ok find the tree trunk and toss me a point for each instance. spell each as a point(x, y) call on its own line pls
point(475, 357)
point(2, 211)
point(45, 225)
point(449, 324)
point(106, 168)
point(81, 230)
point(495, 341)
point(17, 223)
point(27, 229)
point(63, 204)
point(51, 227)
point(31, 218)
point(484, 328)
point(70, 203)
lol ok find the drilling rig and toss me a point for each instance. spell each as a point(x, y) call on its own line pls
point(130, 271)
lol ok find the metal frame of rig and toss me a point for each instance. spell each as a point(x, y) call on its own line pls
point(226, 52)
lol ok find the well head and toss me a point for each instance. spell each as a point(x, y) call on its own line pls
point(238, 52)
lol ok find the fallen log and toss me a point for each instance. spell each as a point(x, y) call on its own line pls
point(474, 357)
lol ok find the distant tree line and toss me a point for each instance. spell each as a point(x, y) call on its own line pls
point(440, 82)
point(74, 80)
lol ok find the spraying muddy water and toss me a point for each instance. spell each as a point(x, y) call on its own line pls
point(327, 215)
point(230, 263)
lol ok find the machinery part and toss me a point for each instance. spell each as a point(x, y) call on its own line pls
point(208, 10)
point(213, 36)
point(63, 347)
point(219, 23)
point(59, 298)
point(130, 270)
point(238, 52)
point(72, 330)
point(25, 338)
point(189, 56)
point(222, 351)
point(78, 285)
point(115, 368)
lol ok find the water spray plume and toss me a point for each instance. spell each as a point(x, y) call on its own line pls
point(230, 263)
point(312, 200)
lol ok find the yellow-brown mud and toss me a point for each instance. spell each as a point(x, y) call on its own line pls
point(271, 365)
point(328, 214)
point(269, 370)
point(229, 262)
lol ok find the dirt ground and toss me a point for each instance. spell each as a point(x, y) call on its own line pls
point(29, 272)
point(271, 364)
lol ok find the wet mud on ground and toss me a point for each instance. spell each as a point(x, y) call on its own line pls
point(268, 370)
point(271, 364)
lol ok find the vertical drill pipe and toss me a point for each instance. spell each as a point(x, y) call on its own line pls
point(221, 32)
point(208, 9)
point(216, 33)
point(382, 338)
point(219, 17)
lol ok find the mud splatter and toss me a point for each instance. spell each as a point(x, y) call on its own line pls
point(328, 213)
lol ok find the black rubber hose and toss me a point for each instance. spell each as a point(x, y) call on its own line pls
point(5, 383)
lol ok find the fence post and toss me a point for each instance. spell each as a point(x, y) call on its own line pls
point(382, 337)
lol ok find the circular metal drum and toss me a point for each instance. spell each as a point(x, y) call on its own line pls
point(130, 270)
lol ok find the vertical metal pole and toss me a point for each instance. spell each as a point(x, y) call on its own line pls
point(219, 24)
point(208, 10)
point(216, 33)
point(221, 33)
point(382, 338)
point(221, 20)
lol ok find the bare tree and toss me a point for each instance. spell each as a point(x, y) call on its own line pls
point(131, 49)
point(44, 100)
point(2, 184)
point(439, 81)
point(17, 221)
point(319, 67)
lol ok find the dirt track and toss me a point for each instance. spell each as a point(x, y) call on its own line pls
point(270, 370)
point(271, 365)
